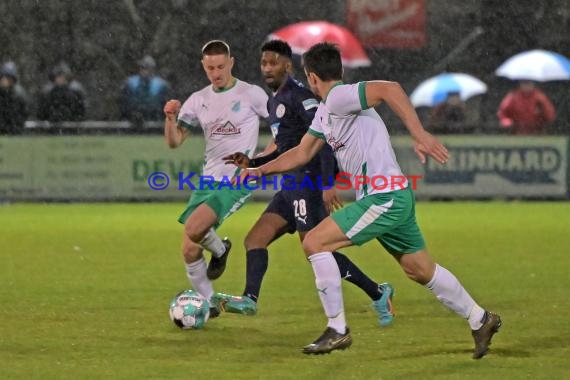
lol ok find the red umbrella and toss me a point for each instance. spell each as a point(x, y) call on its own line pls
point(302, 35)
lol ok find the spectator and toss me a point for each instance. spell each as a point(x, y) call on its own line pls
point(526, 110)
point(63, 99)
point(13, 107)
point(10, 67)
point(448, 116)
point(143, 95)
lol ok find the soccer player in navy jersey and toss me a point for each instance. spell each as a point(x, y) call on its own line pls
point(304, 200)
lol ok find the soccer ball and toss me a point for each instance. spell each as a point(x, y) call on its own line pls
point(189, 310)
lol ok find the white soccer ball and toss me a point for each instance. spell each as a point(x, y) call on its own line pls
point(189, 310)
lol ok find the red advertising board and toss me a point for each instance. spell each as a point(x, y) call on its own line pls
point(388, 23)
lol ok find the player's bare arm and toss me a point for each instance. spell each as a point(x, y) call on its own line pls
point(174, 134)
point(397, 99)
point(292, 159)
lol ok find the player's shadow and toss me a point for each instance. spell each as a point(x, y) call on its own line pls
point(528, 346)
point(521, 348)
point(223, 336)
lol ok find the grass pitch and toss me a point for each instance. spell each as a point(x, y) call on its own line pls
point(85, 292)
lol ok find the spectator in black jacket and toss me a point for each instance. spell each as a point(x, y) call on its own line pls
point(13, 107)
point(63, 99)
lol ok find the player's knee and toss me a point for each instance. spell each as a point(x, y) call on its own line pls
point(419, 274)
point(412, 275)
point(255, 240)
point(311, 244)
point(193, 233)
point(252, 242)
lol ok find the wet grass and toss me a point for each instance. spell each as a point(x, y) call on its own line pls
point(85, 291)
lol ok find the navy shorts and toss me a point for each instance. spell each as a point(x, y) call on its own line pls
point(302, 208)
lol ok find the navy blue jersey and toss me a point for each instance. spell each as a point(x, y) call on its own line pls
point(291, 111)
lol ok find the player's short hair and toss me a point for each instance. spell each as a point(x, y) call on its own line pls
point(279, 47)
point(216, 47)
point(324, 60)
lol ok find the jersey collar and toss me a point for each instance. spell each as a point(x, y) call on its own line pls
point(232, 85)
point(333, 86)
point(285, 83)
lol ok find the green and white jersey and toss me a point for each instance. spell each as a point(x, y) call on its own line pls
point(230, 121)
point(358, 138)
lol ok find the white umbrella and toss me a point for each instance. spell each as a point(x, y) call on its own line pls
point(435, 90)
point(536, 65)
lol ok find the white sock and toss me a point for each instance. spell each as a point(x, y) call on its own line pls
point(452, 294)
point(196, 273)
point(476, 316)
point(213, 243)
point(327, 279)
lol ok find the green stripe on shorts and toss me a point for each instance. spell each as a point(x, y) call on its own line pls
point(388, 217)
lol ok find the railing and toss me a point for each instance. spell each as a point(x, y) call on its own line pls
point(93, 127)
point(157, 127)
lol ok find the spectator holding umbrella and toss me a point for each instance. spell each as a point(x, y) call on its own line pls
point(450, 115)
point(526, 110)
point(446, 94)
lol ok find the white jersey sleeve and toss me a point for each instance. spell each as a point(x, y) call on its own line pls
point(316, 128)
point(259, 101)
point(347, 99)
point(188, 116)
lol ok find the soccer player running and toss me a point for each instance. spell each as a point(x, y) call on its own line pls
point(346, 120)
point(228, 111)
point(299, 206)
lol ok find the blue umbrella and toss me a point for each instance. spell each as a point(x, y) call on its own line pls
point(536, 65)
point(436, 89)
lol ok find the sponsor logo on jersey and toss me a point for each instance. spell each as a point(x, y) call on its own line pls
point(226, 129)
point(275, 129)
point(280, 111)
point(310, 103)
point(335, 145)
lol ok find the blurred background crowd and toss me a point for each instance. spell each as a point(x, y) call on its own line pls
point(70, 61)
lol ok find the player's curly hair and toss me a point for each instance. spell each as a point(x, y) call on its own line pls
point(279, 47)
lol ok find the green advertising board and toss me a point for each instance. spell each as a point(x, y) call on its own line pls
point(117, 167)
point(92, 168)
point(492, 166)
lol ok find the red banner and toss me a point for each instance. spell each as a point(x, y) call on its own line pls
point(388, 23)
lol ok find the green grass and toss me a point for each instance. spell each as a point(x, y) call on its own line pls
point(85, 289)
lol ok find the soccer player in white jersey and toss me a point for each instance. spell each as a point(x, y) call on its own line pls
point(228, 112)
point(346, 120)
